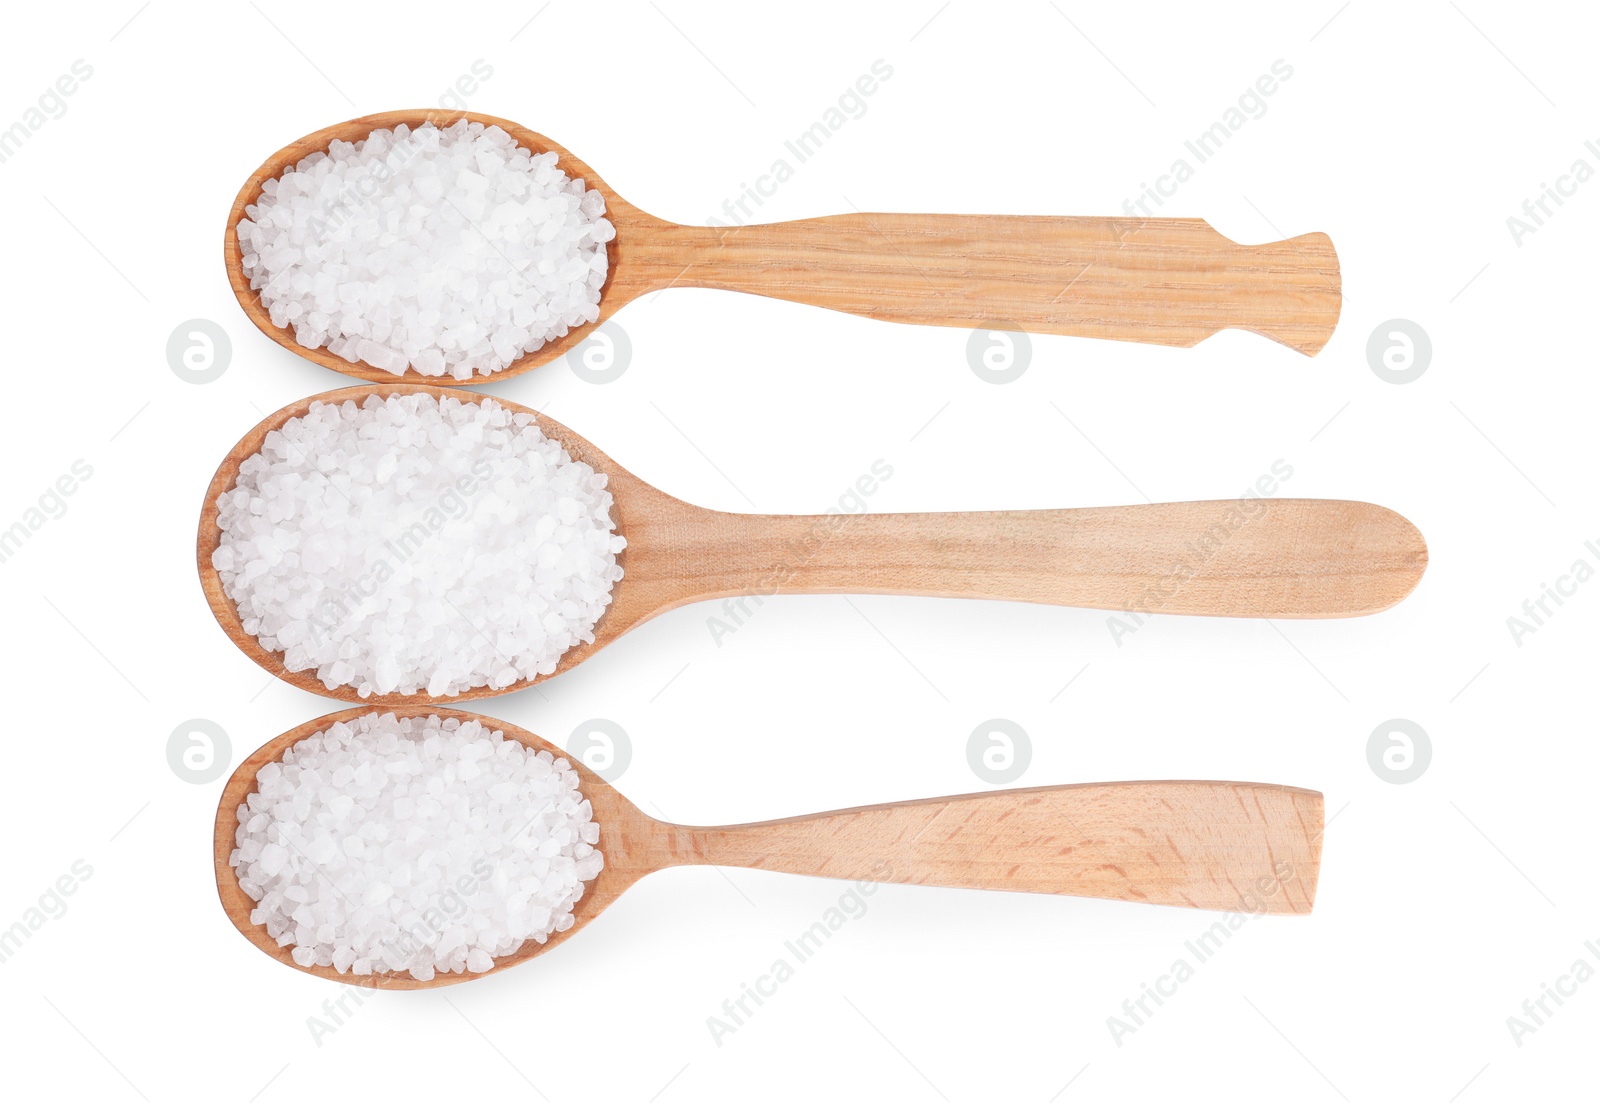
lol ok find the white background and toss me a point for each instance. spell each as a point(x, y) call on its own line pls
point(1409, 134)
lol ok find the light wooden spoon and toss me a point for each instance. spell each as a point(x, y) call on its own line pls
point(1162, 281)
point(1250, 847)
point(1257, 558)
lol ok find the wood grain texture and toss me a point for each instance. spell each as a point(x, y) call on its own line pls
point(1249, 847)
point(1162, 281)
point(1157, 281)
point(1278, 558)
point(1198, 844)
point(627, 841)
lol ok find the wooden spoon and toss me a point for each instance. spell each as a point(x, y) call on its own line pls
point(1251, 847)
point(1257, 558)
point(1163, 281)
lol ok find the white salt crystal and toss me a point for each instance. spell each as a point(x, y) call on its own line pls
point(414, 544)
point(478, 860)
point(405, 230)
point(272, 859)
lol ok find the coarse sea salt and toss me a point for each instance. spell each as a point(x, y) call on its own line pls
point(418, 845)
point(412, 544)
point(451, 252)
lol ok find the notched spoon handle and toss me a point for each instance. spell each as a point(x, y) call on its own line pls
point(1160, 281)
point(1208, 845)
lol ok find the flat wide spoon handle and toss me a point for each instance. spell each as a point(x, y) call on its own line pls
point(1210, 845)
point(1262, 558)
point(1162, 281)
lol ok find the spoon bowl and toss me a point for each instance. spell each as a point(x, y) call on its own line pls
point(630, 222)
point(618, 818)
point(1251, 557)
point(1163, 281)
point(1249, 847)
point(633, 503)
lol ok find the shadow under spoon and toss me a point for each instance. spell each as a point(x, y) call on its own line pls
point(1250, 847)
point(1159, 281)
point(1252, 558)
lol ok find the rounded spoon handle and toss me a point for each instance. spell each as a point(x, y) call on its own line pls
point(1161, 281)
point(1209, 845)
point(1265, 558)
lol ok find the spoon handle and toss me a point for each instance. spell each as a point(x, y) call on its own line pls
point(1210, 845)
point(1161, 281)
point(1260, 558)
